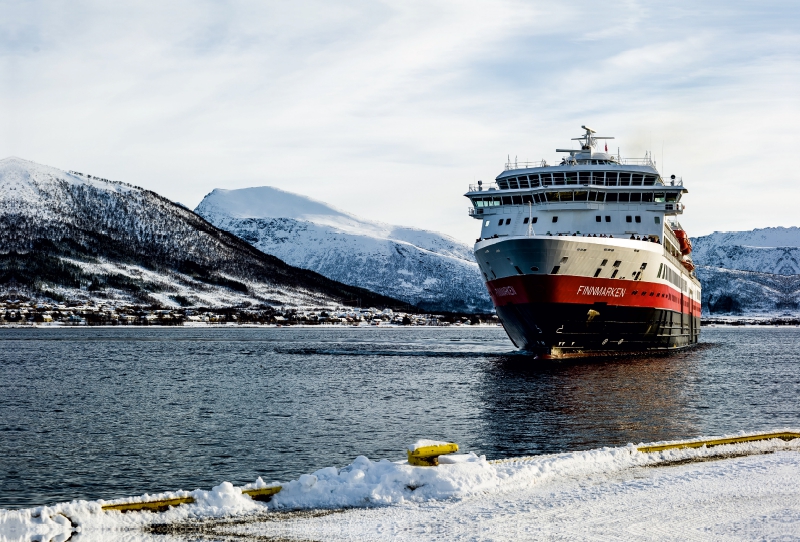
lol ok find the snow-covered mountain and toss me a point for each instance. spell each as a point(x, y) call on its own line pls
point(753, 272)
point(420, 267)
point(74, 236)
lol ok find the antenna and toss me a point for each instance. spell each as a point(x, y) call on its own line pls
point(589, 140)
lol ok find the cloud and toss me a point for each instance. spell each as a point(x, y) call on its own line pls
point(389, 109)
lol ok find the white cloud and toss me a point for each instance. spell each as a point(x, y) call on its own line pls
point(389, 109)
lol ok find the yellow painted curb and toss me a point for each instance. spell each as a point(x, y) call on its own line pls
point(160, 505)
point(717, 442)
point(262, 493)
point(428, 456)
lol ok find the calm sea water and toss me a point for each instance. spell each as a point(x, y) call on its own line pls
point(103, 413)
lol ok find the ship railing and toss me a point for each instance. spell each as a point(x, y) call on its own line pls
point(646, 161)
point(525, 165)
point(516, 164)
point(487, 187)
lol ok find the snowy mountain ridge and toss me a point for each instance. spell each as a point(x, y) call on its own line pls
point(754, 272)
point(67, 235)
point(421, 267)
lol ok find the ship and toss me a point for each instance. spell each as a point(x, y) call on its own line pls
point(587, 257)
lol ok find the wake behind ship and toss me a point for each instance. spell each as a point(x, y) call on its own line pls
point(587, 256)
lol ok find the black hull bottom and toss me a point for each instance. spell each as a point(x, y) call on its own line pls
point(560, 330)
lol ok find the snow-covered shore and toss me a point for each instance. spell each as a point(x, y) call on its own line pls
point(609, 492)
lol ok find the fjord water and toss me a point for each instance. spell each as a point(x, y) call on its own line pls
point(101, 413)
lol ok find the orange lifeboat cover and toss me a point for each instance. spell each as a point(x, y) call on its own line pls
point(683, 240)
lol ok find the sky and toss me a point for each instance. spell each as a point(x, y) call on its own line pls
point(390, 109)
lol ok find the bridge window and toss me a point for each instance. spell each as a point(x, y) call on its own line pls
point(636, 179)
point(512, 183)
point(624, 197)
point(659, 197)
point(534, 180)
point(636, 197)
point(551, 196)
point(611, 178)
point(523, 181)
point(647, 197)
point(558, 178)
point(506, 200)
point(581, 195)
point(527, 198)
point(672, 197)
point(649, 180)
point(625, 179)
point(565, 196)
point(584, 177)
point(538, 198)
point(611, 197)
point(502, 184)
point(547, 179)
point(598, 177)
point(516, 200)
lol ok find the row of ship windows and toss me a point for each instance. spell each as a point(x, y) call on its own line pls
point(603, 178)
point(598, 218)
point(578, 195)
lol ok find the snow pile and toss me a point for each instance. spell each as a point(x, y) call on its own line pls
point(418, 266)
point(365, 483)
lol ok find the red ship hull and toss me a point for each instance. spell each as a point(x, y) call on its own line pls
point(559, 316)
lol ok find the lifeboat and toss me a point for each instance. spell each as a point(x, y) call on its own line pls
point(683, 240)
point(688, 264)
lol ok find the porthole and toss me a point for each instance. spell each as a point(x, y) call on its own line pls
point(555, 219)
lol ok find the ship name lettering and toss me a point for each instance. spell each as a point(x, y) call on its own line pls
point(504, 291)
point(605, 291)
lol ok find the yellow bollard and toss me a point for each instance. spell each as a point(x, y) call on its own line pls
point(428, 456)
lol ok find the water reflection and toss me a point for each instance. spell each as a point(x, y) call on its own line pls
point(535, 409)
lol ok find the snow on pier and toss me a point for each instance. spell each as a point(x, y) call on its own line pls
point(741, 491)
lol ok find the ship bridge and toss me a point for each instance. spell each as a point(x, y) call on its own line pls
point(589, 193)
